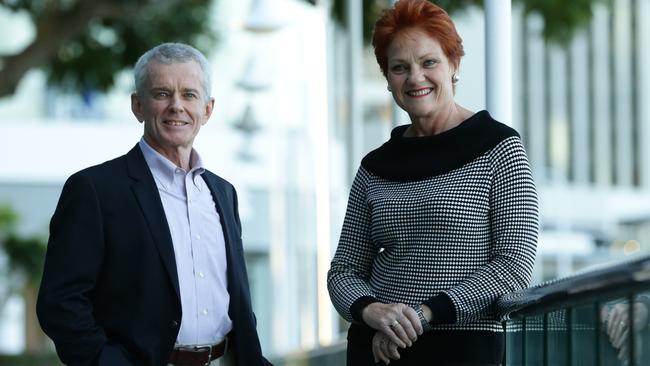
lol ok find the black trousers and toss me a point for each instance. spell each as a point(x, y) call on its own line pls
point(435, 348)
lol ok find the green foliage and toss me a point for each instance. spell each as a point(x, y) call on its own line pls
point(84, 44)
point(8, 219)
point(371, 11)
point(561, 18)
point(92, 60)
point(26, 255)
point(49, 359)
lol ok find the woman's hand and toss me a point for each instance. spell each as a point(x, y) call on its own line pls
point(383, 349)
point(399, 322)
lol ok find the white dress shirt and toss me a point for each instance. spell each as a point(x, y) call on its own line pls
point(199, 247)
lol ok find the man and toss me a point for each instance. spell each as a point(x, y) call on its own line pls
point(145, 264)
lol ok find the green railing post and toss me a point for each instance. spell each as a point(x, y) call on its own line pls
point(597, 306)
point(523, 342)
point(630, 326)
point(569, 336)
point(545, 339)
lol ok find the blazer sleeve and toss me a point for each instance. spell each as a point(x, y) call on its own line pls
point(72, 266)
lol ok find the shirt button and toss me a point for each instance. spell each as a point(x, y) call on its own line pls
point(201, 274)
point(198, 237)
point(205, 311)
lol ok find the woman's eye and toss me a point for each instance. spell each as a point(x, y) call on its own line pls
point(398, 68)
point(430, 62)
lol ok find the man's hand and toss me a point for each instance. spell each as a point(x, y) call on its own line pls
point(616, 323)
point(399, 322)
point(383, 349)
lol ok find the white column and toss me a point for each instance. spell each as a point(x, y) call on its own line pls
point(498, 48)
point(603, 152)
point(581, 115)
point(355, 37)
point(319, 140)
point(643, 88)
point(623, 85)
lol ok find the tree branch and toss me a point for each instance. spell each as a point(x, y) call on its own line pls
point(54, 28)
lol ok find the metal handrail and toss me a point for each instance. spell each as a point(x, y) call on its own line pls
point(602, 283)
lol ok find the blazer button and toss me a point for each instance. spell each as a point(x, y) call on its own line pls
point(174, 324)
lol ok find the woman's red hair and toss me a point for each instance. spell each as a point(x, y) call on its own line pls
point(421, 15)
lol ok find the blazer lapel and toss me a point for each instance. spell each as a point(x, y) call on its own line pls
point(146, 192)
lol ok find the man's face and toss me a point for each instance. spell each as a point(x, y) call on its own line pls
point(173, 106)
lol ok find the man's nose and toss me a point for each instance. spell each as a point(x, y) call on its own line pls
point(175, 103)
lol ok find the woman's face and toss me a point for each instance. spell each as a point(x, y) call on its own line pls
point(419, 74)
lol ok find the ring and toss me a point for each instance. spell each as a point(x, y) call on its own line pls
point(394, 324)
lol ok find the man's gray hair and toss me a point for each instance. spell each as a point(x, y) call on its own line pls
point(171, 53)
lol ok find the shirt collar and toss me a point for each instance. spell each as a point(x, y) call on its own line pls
point(163, 169)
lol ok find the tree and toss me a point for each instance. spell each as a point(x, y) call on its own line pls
point(561, 18)
point(25, 257)
point(83, 44)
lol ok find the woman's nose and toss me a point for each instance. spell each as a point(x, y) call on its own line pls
point(416, 74)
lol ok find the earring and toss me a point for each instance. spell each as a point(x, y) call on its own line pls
point(388, 88)
point(454, 78)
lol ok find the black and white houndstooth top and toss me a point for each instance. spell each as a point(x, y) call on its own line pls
point(449, 220)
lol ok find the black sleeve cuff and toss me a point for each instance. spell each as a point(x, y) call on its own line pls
point(442, 308)
point(359, 305)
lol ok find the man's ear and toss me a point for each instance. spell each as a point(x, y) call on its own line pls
point(209, 107)
point(136, 107)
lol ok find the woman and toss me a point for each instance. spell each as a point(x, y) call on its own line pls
point(442, 219)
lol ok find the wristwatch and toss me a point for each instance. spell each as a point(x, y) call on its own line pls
point(426, 325)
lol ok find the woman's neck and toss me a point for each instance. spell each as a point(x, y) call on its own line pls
point(442, 121)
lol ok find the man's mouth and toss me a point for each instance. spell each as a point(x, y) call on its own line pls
point(175, 123)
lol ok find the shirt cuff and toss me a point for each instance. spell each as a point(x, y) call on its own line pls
point(358, 306)
point(442, 308)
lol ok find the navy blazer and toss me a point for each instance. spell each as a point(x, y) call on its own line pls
point(110, 293)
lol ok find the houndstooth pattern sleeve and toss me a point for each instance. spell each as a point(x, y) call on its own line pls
point(347, 279)
point(513, 220)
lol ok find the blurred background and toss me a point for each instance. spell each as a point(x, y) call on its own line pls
point(299, 101)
